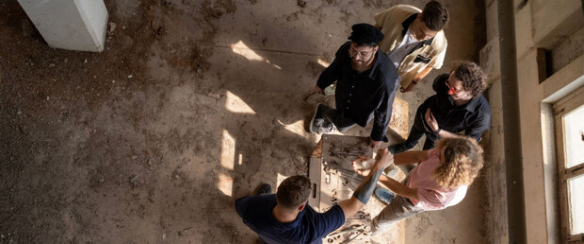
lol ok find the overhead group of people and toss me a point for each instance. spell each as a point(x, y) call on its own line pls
point(403, 46)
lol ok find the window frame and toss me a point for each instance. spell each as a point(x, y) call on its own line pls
point(562, 107)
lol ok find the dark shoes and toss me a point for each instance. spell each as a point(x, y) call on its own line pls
point(319, 124)
point(384, 195)
point(263, 189)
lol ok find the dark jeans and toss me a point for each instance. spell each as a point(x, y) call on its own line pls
point(336, 117)
point(416, 133)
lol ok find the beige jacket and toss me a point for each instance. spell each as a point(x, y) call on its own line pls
point(429, 54)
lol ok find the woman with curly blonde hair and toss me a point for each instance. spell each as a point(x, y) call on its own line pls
point(440, 180)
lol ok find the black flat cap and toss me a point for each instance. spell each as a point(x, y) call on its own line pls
point(365, 34)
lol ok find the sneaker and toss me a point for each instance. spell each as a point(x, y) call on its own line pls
point(326, 127)
point(264, 189)
point(317, 119)
point(384, 195)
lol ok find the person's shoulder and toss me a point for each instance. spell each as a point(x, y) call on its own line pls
point(405, 8)
point(439, 43)
point(483, 104)
point(442, 77)
point(439, 84)
point(397, 12)
point(343, 49)
point(255, 201)
point(386, 69)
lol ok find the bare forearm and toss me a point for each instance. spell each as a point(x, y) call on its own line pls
point(422, 74)
point(398, 187)
point(392, 184)
point(447, 134)
point(410, 157)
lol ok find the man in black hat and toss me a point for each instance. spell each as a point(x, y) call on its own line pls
point(366, 85)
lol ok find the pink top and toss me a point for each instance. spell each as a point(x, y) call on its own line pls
point(430, 195)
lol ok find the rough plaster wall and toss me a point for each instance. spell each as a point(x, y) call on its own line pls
point(538, 24)
point(567, 51)
point(495, 160)
point(496, 170)
point(553, 21)
point(491, 15)
point(531, 140)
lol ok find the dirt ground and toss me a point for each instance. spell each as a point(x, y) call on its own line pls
point(191, 105)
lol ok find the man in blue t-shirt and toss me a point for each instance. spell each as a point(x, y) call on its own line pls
point(286, 216)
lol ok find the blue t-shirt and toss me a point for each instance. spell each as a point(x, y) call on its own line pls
point(309, 226)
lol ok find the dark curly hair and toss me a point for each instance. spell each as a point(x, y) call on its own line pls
point(472, 76)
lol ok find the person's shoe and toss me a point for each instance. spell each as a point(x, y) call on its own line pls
point(326, 127)
point(384, 195)
point(317, 120)
point(264, 189)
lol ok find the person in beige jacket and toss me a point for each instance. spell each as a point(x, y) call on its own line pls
point(414, 40)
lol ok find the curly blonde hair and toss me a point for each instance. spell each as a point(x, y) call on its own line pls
point(461, 160)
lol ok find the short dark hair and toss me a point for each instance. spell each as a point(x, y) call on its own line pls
point(365, 44)
point(472, 76)
point(293, 192)
point(434, 16)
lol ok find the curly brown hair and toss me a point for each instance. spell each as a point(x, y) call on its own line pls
point(472, 76)
point(461, 160)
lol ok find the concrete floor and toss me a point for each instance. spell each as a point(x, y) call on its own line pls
point(191, 105)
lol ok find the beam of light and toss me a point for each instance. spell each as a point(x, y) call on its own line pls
point(400, 117)
point(243, 50)
point(296, 127)
point(225, 184)
point(227, 151)
point(323, 63)
point(234, 104)
point(280, 178)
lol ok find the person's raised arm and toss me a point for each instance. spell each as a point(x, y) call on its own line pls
point(332, 72)
point(365, 189)
point(410, 157)
point(398, 188)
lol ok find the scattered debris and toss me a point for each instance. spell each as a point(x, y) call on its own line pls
point(183, 231)
point(301, 3)
point(217, 13)
point(157, 26)
point(112, 27)
point(27, 27)
point(133, 181)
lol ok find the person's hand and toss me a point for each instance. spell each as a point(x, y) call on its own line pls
point(384, 158)
point(409, 88)
point(362, 165)
point(318, 90)
point(431, 121)
point(374, 144)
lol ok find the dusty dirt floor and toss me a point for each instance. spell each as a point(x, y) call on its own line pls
point(191, 105)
